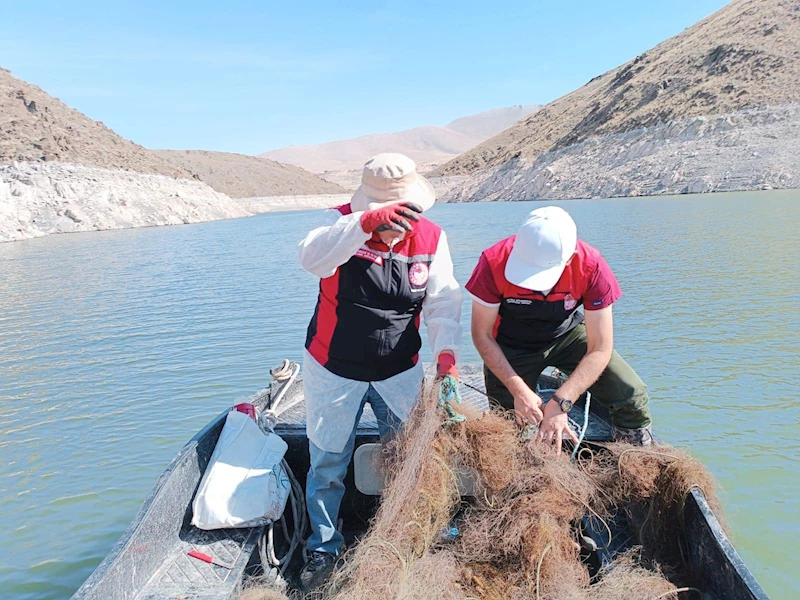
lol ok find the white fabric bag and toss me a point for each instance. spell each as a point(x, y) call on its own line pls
point(244, 484)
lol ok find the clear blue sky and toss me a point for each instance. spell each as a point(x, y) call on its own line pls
point(248, 76)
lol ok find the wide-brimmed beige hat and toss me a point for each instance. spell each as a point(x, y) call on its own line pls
point(392, 177)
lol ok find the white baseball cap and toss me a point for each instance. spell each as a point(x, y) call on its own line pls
point(544, 244)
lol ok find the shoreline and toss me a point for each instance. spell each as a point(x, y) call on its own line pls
point(267, 204)
point(41, 199)
point(72, 220)
point(652, 195)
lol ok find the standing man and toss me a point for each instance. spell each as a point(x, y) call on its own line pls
point(381, 264)
point(526, 292)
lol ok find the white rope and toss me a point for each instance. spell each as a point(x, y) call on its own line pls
point(287, 374)
point(540, 390)
point(585, 425)
point(282, 373)
point(289, 379)
point(269, 418)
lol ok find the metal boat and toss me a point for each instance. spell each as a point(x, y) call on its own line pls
point(151, 561)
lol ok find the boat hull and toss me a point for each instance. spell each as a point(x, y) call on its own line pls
point(150, 560)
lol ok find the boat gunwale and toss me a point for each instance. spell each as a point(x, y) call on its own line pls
point(696, 495)
point(724, 543)
point(158, 488)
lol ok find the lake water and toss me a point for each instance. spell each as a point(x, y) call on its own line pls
point(116, 347)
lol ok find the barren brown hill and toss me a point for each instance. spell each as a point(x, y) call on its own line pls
point(424, 144)
point(241, 176)
point(36, 127)
point(746, 55)
point(429, 145)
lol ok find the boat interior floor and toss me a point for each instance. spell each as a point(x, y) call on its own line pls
point(181, 573)
point(182, 576)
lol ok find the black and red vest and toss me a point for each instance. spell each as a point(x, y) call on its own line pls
point(366, 323)
point(533, 320)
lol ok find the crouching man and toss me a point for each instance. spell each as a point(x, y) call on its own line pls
point(527, 291)
point(381, 264)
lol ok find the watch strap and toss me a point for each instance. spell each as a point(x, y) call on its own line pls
point(560, 401)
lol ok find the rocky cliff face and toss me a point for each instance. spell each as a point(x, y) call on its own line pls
point(732, 70)
point(38, 199)
point(745, 150)
point(62, 172)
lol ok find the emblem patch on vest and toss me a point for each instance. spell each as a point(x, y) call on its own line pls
point(418, 274)
point(569, 302)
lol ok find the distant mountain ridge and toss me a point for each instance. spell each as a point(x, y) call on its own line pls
point(428, 145)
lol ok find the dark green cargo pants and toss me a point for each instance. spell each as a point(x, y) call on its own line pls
point(619, 388)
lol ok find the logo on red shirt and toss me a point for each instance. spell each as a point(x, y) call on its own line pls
point(418, 274)
point(569, 302)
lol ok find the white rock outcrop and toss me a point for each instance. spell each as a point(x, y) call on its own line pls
point(38, 199)
point(747, 150)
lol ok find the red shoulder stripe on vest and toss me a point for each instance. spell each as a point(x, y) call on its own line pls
point(326, 318)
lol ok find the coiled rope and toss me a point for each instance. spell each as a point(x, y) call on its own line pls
point(271, 563)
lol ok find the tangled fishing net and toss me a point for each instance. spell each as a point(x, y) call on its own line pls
point(519, 535)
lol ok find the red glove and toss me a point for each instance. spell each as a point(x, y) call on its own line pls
point(392, 217)
point(446, 365)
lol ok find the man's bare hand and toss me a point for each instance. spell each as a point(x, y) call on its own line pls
point(554, 426)
point(527, 406)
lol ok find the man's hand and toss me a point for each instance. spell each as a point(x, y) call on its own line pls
point(391, 217)
point(527, 404)
point(446, 365)
point(554, 426)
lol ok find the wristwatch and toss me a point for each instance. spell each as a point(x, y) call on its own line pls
point(566, 405)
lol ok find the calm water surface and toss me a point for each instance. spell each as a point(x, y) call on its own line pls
point(115, 348)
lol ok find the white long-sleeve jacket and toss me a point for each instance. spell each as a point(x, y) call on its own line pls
point(333, 402)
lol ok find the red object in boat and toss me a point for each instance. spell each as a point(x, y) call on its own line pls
point(247, 409)
point(206, 558)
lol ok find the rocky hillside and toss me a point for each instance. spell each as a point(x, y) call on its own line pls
point(61, 172)
point(241, 176)
point(41, 198)
point(36, 127)
point(738, 64)
point(429, 145)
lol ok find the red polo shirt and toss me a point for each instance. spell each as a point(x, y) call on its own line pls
point(529, 319)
